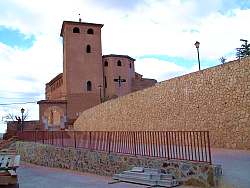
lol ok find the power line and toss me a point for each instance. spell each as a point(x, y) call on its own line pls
point(15, 103)
point(13, 98)
point(11, 91)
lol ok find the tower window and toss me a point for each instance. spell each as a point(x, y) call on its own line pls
point(90, 31)
point(89, 86)
point(119, 63)
point(130, 65)
point(88, 49)
point(106, 64)
point(76, 30)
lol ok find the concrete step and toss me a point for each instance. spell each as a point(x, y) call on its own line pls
point(136, 174)
point(166, 176)
point(132, 179)
point(145, 181)
point(153, 176)
point(149, 174)
point(171, 183)
point(151, 170)
point(147, 177)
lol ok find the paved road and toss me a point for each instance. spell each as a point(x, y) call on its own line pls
point(235, 165)
point(32, 176)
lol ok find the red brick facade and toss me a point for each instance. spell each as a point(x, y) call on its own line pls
point(88, 77)
point(14, 126)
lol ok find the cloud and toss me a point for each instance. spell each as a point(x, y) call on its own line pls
point(127, 5)
point(160, 28)
point(25, 72)
point(160, 69)
point(152, 26)
point(32, 110)
point(25, 78)
point(136, 28)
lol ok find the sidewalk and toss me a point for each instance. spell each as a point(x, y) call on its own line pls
point(33, 176)
point(235, 166)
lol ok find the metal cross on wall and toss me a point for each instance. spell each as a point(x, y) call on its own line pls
point(119, 80)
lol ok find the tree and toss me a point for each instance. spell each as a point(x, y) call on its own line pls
point(244, 51)
point(222, 59)
point(12, 117)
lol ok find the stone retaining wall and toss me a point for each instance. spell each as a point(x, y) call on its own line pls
point(216, 99)
point(109, 164)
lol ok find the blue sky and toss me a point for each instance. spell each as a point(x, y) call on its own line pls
point(160, 34)
point(14, 38)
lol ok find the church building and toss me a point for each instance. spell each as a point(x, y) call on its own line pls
point(88, 79)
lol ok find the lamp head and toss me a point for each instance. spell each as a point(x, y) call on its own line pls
point(197, 44)
point(243, 40)
point(22, 110)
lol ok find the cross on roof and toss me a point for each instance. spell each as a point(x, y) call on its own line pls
point(80, 19)
point(119, 80)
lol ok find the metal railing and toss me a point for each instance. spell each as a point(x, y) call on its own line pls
point(181, 145)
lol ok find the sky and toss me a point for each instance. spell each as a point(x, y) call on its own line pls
point(159, 34)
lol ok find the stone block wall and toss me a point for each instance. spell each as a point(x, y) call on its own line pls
point(109, 164)
point(216, 99)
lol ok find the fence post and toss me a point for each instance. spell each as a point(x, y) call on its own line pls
point(166, 133)
point(109, 140)
point(134, 143)
point(35, 135)
point(90, 140)
point(52, 138)
point(209, 149)
point(43, 137)
point(75, 138)
point(62, 138)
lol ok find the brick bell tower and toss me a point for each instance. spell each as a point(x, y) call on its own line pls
point(82, 66)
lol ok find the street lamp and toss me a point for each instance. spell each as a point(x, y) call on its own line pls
point(244, 40)
point(197, 45)
point(22, 111)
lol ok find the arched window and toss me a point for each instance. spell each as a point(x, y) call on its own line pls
point(89, 86)
point(76, 30)
point(130, 65)
point(90, 31)
point(88, 49)
point(106, 64)
point(119, 63)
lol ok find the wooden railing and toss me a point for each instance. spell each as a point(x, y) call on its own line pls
point(181, 145)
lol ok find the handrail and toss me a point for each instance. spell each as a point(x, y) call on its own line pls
point(180, 145)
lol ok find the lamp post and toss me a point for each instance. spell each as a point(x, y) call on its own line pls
point(22, 111)
point(197, 45)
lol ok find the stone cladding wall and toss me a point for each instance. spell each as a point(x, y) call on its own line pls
point(192, 173)
point(216, 99)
